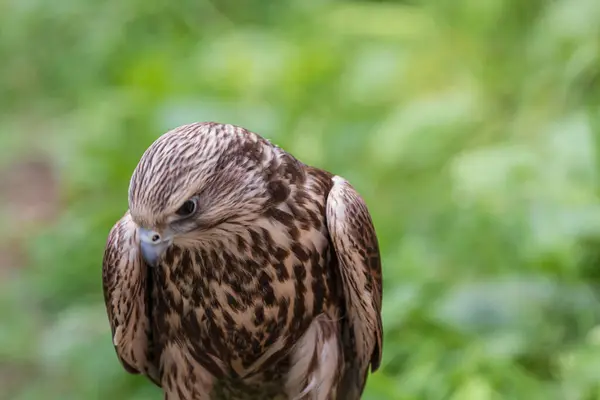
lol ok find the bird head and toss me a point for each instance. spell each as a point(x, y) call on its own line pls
point(192, 181)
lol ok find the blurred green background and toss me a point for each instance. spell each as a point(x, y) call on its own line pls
point(471, 127)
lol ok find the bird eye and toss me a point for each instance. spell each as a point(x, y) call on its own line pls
point(187, 209)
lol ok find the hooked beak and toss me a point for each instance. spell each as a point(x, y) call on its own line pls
point(153, 245)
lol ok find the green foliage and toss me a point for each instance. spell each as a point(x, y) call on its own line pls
point(471, 128)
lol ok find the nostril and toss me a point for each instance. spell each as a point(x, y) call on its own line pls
point(155, 237)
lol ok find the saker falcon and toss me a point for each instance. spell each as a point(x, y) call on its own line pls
point(238, 272)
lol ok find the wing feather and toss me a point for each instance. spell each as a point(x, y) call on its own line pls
point(124, 281)
point(357, 249)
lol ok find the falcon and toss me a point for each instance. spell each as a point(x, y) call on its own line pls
point(238, 272)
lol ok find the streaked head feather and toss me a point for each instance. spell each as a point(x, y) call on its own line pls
point(223, 165)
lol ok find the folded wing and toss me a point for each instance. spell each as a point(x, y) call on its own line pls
point(355, 242)
point(125, 283)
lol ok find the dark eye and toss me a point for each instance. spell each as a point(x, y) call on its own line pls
point(187, 209)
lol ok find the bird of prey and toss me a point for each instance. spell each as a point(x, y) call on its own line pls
point(239, 272)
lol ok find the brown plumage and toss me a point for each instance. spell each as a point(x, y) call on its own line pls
point(239, 272)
